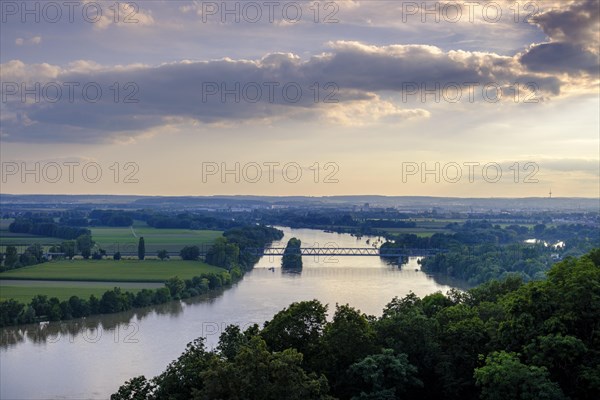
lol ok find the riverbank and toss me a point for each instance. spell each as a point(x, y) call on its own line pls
point(142, 341)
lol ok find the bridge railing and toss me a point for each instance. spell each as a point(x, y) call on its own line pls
point(342, 251)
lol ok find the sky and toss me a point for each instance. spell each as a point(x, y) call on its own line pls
point(449, 98)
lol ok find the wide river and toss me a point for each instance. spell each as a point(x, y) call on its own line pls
point(90, 358)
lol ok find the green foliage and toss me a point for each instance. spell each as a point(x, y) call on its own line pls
point(137, 388)
point(384, 375)
point(223, 254)
point(478, 252)
point(250, 238)
point(68, 247)
point(347, 339)
point(111, 301)
point(505, 377)
point(175, 286)
point(292, 257)
point(502, 340)
point(162, 254)
point(256, 373)
point(34, 254)
point(141, 248)
point(11, 258)
point(190, 253)
point(85, 244)
point(300, 326)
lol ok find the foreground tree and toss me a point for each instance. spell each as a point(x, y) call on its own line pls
point(505, 377)
point(384, 375)
point(503, 340)
point(257, 374)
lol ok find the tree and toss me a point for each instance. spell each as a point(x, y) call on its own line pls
point(162, 254)
point(138, 388)
point(141, 248)
point(183, 376)
point(68, 247)
point(175, 286)
point(99, 255)
point(36, 251)
point(505, 377)
point(190, 253)
point(384, 375)
point(9, 312)
point(292, 257)
point(346, 340)
point(257, 374)
point(11, 257)
point(223, 254)
point(33, 255)
point(231, 341)
point(300, 326)
point(85, 244)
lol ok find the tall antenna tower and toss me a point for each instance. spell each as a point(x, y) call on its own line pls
point(550, 193)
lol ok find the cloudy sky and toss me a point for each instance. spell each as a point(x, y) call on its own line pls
point(450, 98)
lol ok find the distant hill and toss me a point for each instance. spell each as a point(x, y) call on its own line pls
point(247, 201)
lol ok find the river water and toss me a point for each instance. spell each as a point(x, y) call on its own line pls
point(90, 358)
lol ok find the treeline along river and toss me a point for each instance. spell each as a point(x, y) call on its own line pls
point(91, 358)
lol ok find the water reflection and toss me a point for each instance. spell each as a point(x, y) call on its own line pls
point(105, 350)
point(88, 328)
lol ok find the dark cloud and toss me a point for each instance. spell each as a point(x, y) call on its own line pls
point(575, 38)
point(578, 23)
point(277, 86)
point(560, 57)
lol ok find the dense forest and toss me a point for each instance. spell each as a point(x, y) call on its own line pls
point(45, 226)
point(478, 251)
point(502, 340)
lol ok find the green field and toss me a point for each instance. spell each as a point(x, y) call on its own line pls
point(24, 294)
point(123, 239)
point(113, 271)
point(21, 240)
point(126, 239)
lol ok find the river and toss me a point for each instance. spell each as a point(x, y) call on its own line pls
point(90, 358)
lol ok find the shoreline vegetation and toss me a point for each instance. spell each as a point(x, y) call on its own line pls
point(226, 262)
point(292, 255)
point(505, 339)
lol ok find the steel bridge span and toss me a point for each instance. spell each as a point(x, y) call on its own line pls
point(346, 251)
